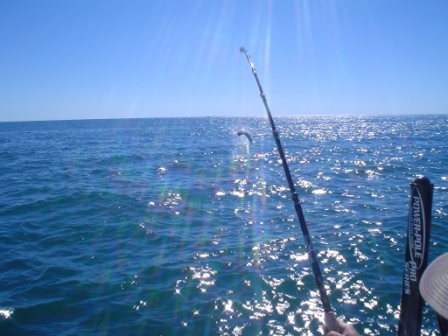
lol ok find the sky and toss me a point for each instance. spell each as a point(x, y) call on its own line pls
point(96, 59)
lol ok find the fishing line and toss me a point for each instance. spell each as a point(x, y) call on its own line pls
point(330, 318)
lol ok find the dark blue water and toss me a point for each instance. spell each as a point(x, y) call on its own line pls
point(180, 227)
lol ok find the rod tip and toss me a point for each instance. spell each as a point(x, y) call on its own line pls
point(242, 49)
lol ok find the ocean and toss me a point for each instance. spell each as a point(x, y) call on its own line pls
point(178, 226)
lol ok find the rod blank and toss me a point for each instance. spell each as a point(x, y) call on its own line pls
point(330, 318)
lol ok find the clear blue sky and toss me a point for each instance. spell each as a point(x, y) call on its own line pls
point(85, 59)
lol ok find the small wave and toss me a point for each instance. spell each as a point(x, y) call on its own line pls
point(117, 158)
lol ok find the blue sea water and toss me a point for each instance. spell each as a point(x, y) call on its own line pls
point(178, 226)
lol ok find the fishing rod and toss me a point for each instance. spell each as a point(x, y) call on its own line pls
point(330, 318)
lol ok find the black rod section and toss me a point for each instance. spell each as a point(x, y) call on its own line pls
point(330, 318)
point(416, 256)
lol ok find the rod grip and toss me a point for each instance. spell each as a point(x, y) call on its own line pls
point(331, 322)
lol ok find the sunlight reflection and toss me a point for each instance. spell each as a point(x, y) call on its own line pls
point(228, 306)
point(6, 313)
point(320, 192)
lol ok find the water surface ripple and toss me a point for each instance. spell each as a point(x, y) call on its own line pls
point(179, 226)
